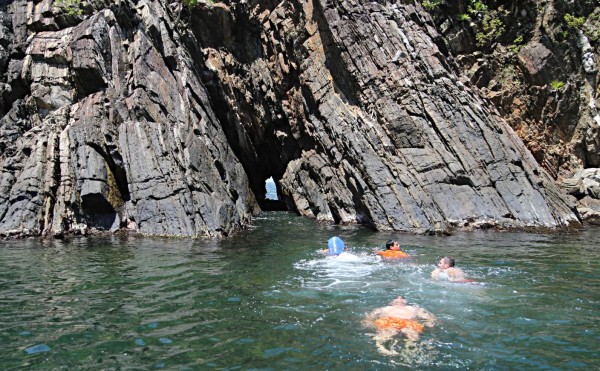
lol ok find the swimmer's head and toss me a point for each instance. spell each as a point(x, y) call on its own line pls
point(392, 245)
point(398, 301)
point(446, 262)
point(335, 245)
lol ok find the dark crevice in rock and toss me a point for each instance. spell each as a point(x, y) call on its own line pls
point(343, 81)
point(19, 89)
point(221, 170)
point(98, 211)
point(12, 126)
point(52, 189)
point(260, 151)
point(121, 177)
point(117, 171)
point(461, 180)
point(237, 34)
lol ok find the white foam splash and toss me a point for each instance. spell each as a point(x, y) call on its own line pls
point(347, 269)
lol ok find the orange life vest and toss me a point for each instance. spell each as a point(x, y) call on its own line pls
point(398, 324)
point(392, 254)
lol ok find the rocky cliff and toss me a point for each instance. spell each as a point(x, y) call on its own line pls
point(537, 63)
point(165, 119)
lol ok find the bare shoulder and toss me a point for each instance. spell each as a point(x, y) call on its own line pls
point(455, 272)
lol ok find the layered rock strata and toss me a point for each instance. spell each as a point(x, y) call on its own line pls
point(153, 117)
point(539, 67)
point(585, 187)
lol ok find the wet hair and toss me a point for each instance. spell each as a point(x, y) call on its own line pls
point(448, 260)
point(389, 244)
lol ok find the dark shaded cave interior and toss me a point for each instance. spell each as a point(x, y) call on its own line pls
point(269, 162)
point(255, 138)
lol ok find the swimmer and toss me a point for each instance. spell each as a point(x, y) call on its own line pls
point(447, 271)
point(392, 251)
point(335, 246)
point(392, 245)
point(395, 318)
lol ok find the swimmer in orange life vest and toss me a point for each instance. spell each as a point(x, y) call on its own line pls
point(392, 251)
point(447, 271)
point(395, 318)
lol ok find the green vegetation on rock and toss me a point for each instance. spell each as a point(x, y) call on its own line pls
point(517, 44)
point(431, 4)
point(477, 7)
point(70, 7)
point(464, 17)
point(557, 85)
point(74, 7)
point(574, 22)
point(589, 26)
point(491, 29)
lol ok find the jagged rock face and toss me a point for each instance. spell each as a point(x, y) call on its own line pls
point(147, 116)
point(585, 186)
point(540, 73)
point(114, 130)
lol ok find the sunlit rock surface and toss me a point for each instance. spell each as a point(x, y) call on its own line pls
point(149, 117)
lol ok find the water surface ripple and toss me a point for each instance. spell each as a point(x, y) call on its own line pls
point(267, 298)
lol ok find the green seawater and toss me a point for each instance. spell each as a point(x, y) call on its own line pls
point(267, 299)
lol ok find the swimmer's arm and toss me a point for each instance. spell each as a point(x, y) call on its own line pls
point(370, 318)
point(373, 315)
point(427, 317)
point(376, 313)
point(435, 274)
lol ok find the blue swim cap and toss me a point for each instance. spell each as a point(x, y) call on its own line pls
point(336, 245)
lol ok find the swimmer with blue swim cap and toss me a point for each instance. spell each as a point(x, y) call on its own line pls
point(335, 245)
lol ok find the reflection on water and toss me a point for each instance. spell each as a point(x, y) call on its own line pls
point(268, 298)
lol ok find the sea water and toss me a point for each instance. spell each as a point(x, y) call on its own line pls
point(268, 298)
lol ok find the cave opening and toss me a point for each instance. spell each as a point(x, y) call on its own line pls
point(271, 189)
point(270, 198)
point(257, 129)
